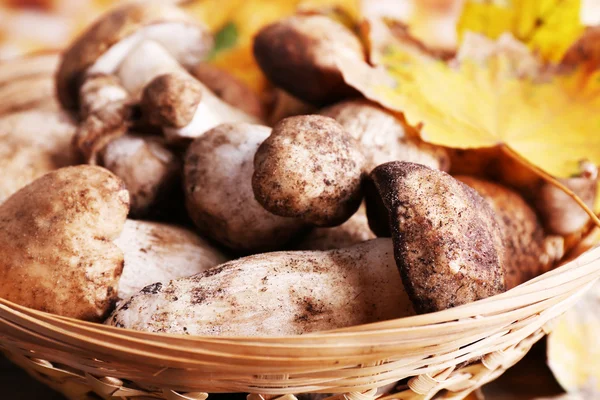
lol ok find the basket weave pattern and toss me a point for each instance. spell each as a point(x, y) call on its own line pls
point(454, 351)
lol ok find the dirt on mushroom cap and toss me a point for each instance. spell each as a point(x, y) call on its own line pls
point(56, 250)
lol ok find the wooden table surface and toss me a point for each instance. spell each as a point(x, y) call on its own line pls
point(529, 379)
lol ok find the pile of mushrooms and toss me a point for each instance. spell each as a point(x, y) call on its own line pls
point(166, 195)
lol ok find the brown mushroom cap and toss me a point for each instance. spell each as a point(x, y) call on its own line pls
point(171, 100)
point(383, 136)
point(522, 231)
point(309, 168)
point(298, 54)
point(447, 242)
point(229, 89)
point(218, 190)
point(115, 27)
point(56, 247)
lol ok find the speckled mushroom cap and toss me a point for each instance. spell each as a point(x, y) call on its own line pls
point(447, 242)
point(298, 54)
point(121, 24)
point(311, 169)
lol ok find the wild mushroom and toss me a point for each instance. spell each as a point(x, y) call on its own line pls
point(81, 255)
point(64, 224)
point(33, 143)
point(354, 231)
point(311, 169)
point(183, 106)
point(116, 46)
point(218, 189)
point(151, 172)
point(383, 136)
point(529, 252)
point(447, 242)
point(274, 294)
point(298, 54)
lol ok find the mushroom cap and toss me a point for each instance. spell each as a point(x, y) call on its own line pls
point(447, 243)
point(56, 247)
point(523, 235)
point(171, 100)
point(33, 143)
point(309, 168)
point(218, 190)
point(117, 25)
point(298, 54)
point(383, 136)
point(229, 89)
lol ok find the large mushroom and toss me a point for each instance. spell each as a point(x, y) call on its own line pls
point(66, 247)
point(218, 189)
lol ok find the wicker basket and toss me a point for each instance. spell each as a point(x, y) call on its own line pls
point(452, 352)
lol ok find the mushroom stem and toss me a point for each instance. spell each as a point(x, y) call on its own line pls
point(141, 79)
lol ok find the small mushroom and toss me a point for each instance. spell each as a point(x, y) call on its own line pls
point(355, 230)
point(447, 242)
point(383, 136)
point(219, 198)
point(230, 89)
point(106, 44)
point(183, 106)
point(155, 252)
point(311, 169)
point(529, 252)
point(33, 143)
point(298, 54)
point(56, 249)
point(150, 170)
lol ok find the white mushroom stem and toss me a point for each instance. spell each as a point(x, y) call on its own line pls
point(181, 41)
point(157, 252)
point(150, 60)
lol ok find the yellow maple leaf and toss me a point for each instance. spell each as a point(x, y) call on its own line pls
point(553, 124)
point(548, 27)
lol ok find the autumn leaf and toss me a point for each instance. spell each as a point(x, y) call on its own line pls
point(548, 27)
point(553, 124)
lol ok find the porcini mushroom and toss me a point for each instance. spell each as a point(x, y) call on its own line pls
point(383, 137)
point(298, 54)
point(311, 169)
point(275, 294)
point(447, 242)
point(82, 256)
point(218, 190)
